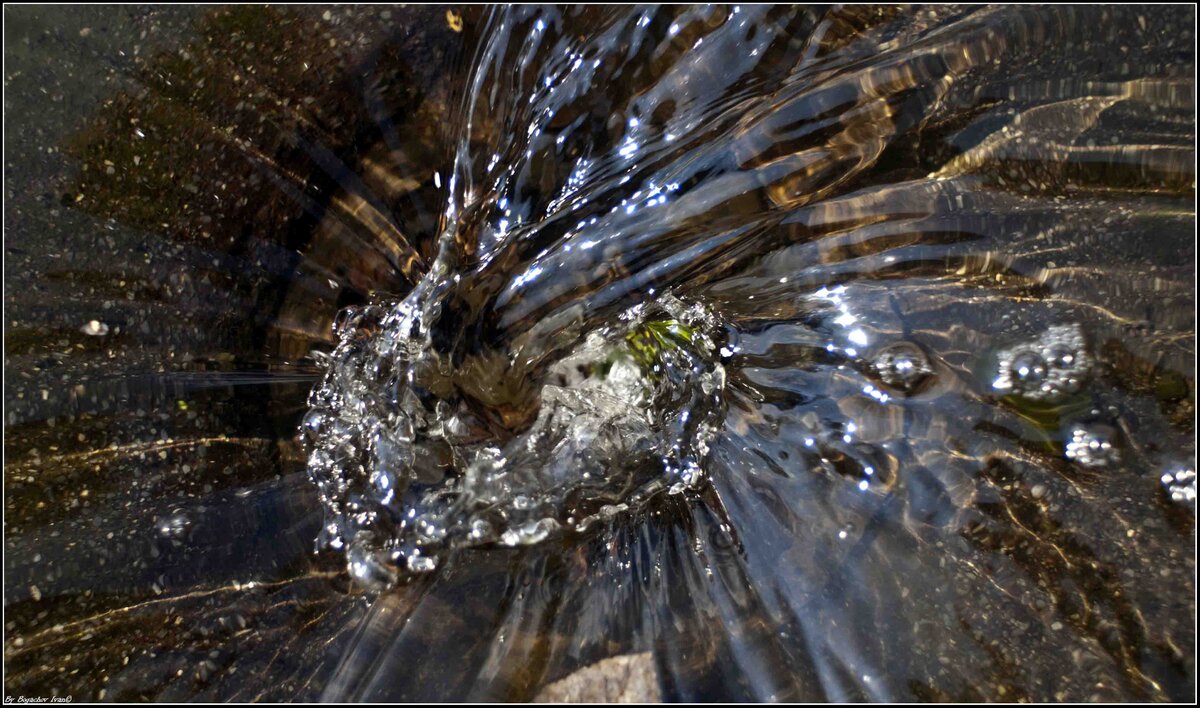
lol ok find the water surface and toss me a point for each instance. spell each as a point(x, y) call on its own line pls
point(422, 354)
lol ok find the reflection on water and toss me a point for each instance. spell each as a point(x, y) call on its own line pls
point(817, 354)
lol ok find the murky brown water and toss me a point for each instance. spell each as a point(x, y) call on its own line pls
point(378, 353)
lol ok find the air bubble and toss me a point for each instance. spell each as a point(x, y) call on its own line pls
point(1028, 370)
point(1046, 369)
point(530, 533)
point(903, 366)
point(312, 425)
point(367, 569)
point(1060, 357)
point(421, 564)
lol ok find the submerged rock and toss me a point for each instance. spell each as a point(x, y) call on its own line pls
point(631, 678)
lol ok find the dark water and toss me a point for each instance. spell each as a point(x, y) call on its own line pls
point(822, 353)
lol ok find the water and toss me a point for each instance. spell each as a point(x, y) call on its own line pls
point(413, 453)
point(817, 354)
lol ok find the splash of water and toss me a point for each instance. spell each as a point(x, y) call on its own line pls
point(407, 466)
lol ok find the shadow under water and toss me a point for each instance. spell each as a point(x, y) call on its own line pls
point(817, 354)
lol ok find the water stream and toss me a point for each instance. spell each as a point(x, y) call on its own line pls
point(380, 353)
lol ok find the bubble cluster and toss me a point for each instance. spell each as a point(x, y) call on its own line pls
point(1046, 369)
point(1180, 484)
point(1091, 445)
